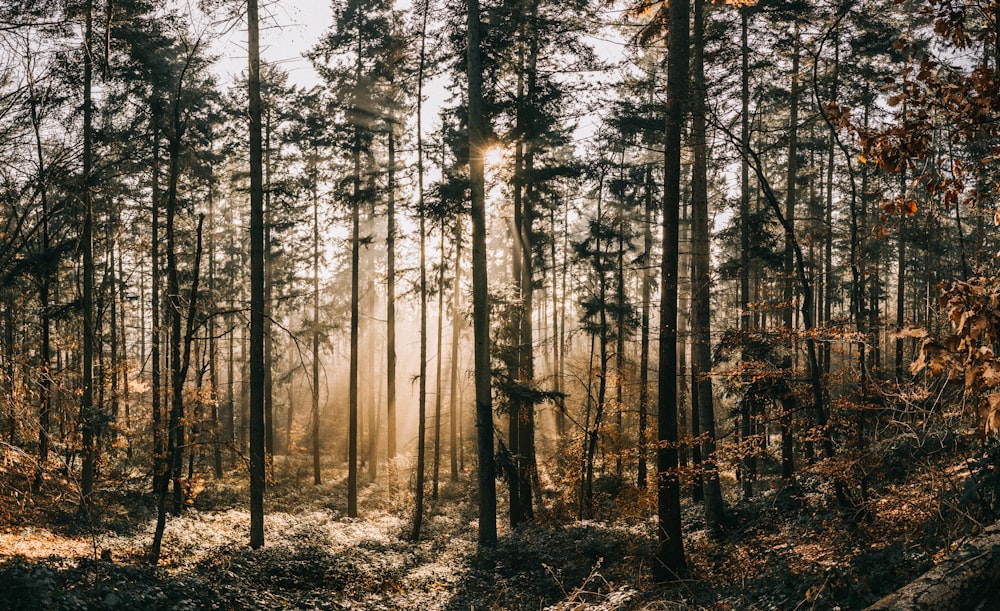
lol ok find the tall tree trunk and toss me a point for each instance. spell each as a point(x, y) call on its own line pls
point(526, 423)
point(179, 364)
point(176, 428)
point(113, 340)
point(670, 547)
point(126, 408)
point(438, 391)
point(620, 330)
point(560, 402)
point(213, 369)
point(901, 274)
point(44, 283)
point(418, 509)
point(787, 462)
point(456, 329)
point(593, 431)
point(88, 416)
point(268, 295)
point(257, 453)
point(514, 407)
point(317, 477)
point(701, 315)
point(480, 289)
point(352, 428)
point(647, 281)
point(390, 299)
point(159, 470)
point(746, 466)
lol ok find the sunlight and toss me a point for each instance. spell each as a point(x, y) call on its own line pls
point(493, 158)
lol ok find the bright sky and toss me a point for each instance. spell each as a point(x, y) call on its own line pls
point(288, 29)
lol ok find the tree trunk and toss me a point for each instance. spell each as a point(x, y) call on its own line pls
point(454, 408)
point(438, 392)
point(390, 299)
point(268, 295)
point(787, 457)
point(44, 282)
point(88, 418)
point(418, 508)
point(480, 297)
point(213, 369)
point(745, 466)
point(159, 470)
point(257, 453)
point(317, 477)
point(701, 315)
point(647, 280)
point(527, 470)
point(965, 580)
point(670, 547)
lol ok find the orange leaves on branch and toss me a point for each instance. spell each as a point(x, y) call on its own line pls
point(900, 205)
point(838, 114)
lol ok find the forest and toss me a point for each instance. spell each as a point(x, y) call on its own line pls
point(500, 304)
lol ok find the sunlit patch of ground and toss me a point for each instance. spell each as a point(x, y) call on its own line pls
point(31, 542)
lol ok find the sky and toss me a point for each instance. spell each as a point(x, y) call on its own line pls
point(288, 29)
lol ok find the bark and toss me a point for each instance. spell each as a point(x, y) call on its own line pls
point(670, 546)
point(438, 391)
point(390, 299)
point(88, 417)
point(456, 329)
point(593, 431)
point(352, 427)
point(317, 476)
point(701, 316)
point(256, 404)
point(268, 295)
point(787, 464)
point(418, 505)
point(487, 536)
point(647, 281)
point(180, 364)
point(213, 370)
point(158, 456)
point(526, 434)
point(966, 580)
point(746, 466)
point(44, 281)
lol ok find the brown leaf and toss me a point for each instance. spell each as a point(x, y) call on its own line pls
point(910, 331)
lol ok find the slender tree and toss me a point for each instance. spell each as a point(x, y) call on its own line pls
point(670, 549)
point(257, 458)
point(480, 298)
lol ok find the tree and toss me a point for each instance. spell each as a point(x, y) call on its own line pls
point(480, 297)
point(88, 411)
point(670, 550)
point(351, 61)
point(257, 457)
point(701, 316)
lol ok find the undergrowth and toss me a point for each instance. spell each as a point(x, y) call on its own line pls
point(788, 547)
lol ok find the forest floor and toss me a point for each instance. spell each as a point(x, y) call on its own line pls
point(784, 549)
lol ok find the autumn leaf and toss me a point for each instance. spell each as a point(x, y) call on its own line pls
point(910, 331)
point(910, 207)
point(990, 375)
